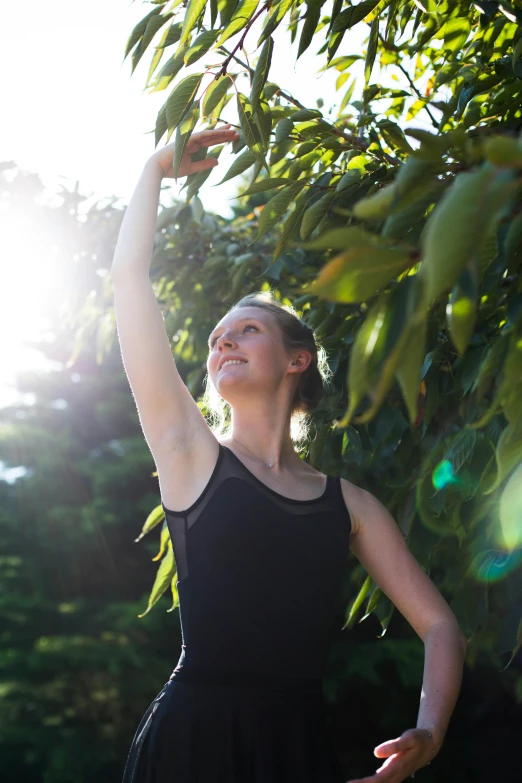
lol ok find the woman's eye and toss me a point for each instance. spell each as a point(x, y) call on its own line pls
point(213, 341)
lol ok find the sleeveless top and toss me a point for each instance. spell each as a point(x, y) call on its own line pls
point(259, 578)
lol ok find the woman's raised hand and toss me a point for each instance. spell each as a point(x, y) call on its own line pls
point(206, 138)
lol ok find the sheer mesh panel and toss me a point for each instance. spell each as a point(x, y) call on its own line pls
point(229, 466)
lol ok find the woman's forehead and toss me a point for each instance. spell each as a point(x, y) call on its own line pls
point(242, 314)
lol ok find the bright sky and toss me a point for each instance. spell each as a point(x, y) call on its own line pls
point(72, 111)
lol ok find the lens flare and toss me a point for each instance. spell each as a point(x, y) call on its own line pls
point(444, 475)
point(492, 565)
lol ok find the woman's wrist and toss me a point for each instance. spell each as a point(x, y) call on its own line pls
point(434, 747)
point(434, 744)
point(437, 737)
point(154, 164)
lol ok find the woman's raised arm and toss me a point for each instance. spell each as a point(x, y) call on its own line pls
point(168, 414)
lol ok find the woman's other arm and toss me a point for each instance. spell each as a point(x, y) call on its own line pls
point(380, 547)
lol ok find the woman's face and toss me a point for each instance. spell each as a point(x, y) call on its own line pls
point(249, 334)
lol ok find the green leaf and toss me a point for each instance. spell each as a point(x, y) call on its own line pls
point(164, 538)
point(356, 275)
point(181, 98)
point(316, 213)
point(503, 151)
point(275, 208)
point(347, 96)
point(455, 32)
point(378, 205)
point(161, 124)
point(359, 377)
point(226, 9)
point(508, 455)
point(171, 35)
point(139, 30)
point(261, 72)
point(305, 114)
point(334, 42)
point(156, 58)
point(394, 136)
point(513, 244)
point(283, 129)
point(171, 68)
point(401, 222)
point(517, 53)
point(391, 16)
point(491, 365)
point(276, 14)
point(458, 224)
point(174, 590)
point(313, 14)
point(348, 179)
point(377, 349)
point(200, 46)
point(350, 16)
point(264, 184)
point(153, 519)
point(280, 150)
point(408, 370)
point(415, 179)
point(164, 575)
point(263, 116)
point(240, 19)
point(292, 222)
point(358, 602)
point(214, 93)
point(462, 308)
point(342, 238)
point(153, 25)
point(509, 517)
point(194, 181)
point(192, 14)
point(372, 50)
point(250, 130)
point(183, 134)
point(241, 164)
point(213, 12)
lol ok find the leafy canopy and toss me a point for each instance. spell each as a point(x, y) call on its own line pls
point(402, 246)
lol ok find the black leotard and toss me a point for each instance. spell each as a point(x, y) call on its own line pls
point(259, 578)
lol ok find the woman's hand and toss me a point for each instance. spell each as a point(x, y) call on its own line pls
point(404, 755)
point(206, 138)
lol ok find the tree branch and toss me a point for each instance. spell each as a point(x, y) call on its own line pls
point(349, 137)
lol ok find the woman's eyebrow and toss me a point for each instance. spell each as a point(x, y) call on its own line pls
point(239, 321)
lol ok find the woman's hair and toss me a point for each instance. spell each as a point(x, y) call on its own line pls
point(313, 383)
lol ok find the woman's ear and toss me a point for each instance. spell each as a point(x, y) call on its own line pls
point(302, 360)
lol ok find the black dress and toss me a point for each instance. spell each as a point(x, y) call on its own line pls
point(259, 587)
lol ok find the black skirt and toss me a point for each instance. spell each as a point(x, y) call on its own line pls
point(196, 732)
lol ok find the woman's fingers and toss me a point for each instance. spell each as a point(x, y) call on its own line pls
point(203, 165)
point(208, 138)
point(192, 168)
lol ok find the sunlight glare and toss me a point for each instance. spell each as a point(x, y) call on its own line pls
point(28, 281)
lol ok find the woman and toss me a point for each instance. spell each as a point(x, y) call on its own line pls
point(261, 541)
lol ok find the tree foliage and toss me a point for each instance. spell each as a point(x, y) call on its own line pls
point(401, 246)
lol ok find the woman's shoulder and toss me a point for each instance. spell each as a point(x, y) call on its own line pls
point(354, 498)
